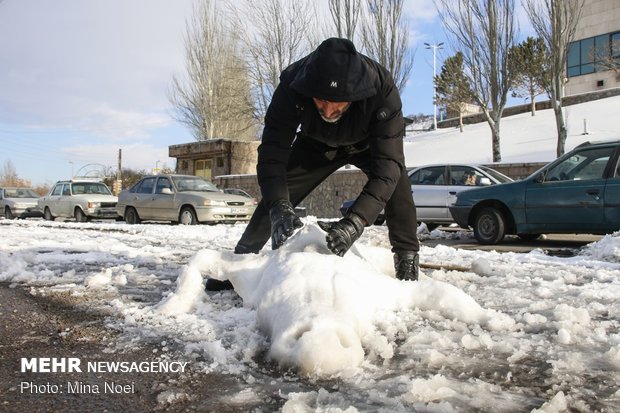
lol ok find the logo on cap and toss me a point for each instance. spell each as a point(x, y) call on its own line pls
point(334, 84)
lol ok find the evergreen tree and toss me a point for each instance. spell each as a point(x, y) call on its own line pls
point(528, 62)
point(452, 87)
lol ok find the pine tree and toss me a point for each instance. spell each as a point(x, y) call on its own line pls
point(528, 62)
point(452, 87)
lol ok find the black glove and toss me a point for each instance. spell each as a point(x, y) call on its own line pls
point(283, 222)
point(342, 234)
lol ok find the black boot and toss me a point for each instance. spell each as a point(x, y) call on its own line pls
point(406, 264)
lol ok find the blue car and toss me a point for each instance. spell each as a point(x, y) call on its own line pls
point(577, 193)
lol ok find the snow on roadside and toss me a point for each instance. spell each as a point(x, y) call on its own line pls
point(512, 334)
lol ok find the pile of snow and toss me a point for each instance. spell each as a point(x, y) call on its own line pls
point(315, 307)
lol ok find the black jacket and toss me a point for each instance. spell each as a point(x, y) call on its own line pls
point(335, 71)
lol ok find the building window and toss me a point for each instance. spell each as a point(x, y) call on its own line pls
point(592, 54)
point(220, 162)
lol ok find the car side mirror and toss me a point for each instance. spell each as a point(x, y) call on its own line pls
point(484, 181)
point(166, 191)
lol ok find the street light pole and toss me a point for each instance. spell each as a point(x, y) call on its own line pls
point(434, 47)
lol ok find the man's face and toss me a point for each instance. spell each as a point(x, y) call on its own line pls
point(331, 111)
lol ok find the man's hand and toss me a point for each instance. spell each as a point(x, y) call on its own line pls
point(342, 234)
point(283, 222)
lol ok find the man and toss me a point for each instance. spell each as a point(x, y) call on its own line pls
point(334, 107)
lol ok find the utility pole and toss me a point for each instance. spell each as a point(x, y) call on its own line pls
point(434, 47)
point(119, 176)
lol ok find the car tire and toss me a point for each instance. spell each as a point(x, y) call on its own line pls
point(131, 216)
point(8, 214)
point(47, 214)
point(489, 226)
point(188, 216)
point(80, 216)
point(528, 237)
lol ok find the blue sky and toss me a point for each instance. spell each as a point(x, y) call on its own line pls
point(82, 79)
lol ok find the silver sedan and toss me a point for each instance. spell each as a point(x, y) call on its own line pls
point(435, 187)
point(184, 199)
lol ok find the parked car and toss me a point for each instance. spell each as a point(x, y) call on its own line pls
point(82, 199)
point(185, 199)
point(577, 193)
point(19, 203)
point(434, 189)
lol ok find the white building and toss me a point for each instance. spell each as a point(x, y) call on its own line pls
point(597, 42)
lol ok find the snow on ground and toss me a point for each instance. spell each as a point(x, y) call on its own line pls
point(515, 333)
point(524, 138)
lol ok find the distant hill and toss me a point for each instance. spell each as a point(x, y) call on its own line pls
point(524, 138)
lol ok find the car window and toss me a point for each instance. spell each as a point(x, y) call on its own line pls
point(433, 175)
point(57, 190)
point(500, 177)
point(465, 175)
point(161, 184)
point(193, 183)
point(583, 165)
point(66, 190)
point(146, 186)
point(20, 193)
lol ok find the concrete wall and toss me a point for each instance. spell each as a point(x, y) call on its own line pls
point(324, 201)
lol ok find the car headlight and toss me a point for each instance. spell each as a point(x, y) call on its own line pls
point(92, 205)
point(213, 202)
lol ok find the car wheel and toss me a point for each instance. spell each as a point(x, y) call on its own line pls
point(8, 214)
point(47, 214)
point(80, 216)
point(188, 216)
point(131, 216)
point(528, 237)
point(489, 226)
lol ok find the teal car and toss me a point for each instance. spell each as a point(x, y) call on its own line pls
point(577, 193)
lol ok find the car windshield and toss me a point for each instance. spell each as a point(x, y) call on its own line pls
point(81, 188)
point(497, 175)
point(193, 183)
point(20, 193)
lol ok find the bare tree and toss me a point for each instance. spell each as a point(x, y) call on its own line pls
point(9, 177)
point(274, 34)
point(555, 21)
point(214, 100)
point(385, 38)
point(345, 16)
point(484, 31)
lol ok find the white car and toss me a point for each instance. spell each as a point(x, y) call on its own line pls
point(19, 203)
point(79, 199)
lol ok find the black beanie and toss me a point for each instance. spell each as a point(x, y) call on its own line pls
point(336, 72)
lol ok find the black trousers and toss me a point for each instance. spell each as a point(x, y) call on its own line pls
point(310, 163)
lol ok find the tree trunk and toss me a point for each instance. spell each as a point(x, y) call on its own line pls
point(461, 120)
point(560, 125)
point(497, 157)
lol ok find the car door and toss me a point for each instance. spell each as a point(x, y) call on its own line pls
point(570, 193)
point(461, 178)
point(163, 204)
point(52, 201)
point(64, 203)
point(430, 193)
point(142, 198)
point(612, 196)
